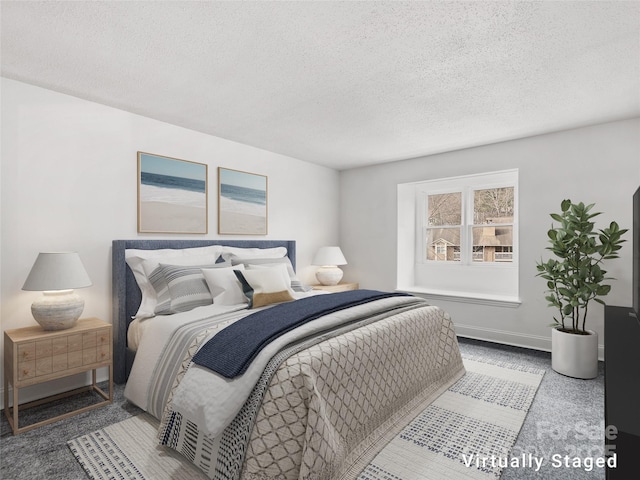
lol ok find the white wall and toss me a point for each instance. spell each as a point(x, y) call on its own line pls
point(69, 179)
point(68, 182)
point(598, 164)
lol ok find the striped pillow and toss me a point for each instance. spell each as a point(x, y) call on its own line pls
point(181, 288)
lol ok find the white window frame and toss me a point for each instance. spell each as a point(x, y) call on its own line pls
point(464, 280)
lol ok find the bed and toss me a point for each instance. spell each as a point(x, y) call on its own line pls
point(345, 372)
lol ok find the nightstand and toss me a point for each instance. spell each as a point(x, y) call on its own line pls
point(33, 356)
point(341, 287)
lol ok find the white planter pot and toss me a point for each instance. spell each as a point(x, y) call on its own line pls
point(574, 355)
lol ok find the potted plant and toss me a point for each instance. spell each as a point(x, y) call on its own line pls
point(573, 280)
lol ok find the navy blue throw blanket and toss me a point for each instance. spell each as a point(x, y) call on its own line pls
point(231, 351)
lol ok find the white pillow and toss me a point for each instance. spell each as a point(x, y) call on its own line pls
point(225, 287)
point(281, 267)
point(136, 257)
point(236, 252)
point(296, 284)
point(265, 286)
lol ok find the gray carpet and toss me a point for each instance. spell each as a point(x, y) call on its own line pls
point(566, 418)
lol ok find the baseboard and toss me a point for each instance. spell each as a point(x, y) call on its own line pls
point(504, 337)
point(54, 387)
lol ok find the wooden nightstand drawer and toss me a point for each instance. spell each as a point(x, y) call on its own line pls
point(44, 366)
point(33, 355)
point(74, 359)
point(88, 340)
point(104, 352)
point(44, 348)
point(103, 337)
point(27, 370)
point(341, 287)
point(74, 343)
point(59, 362)
point(89, 356)
point(59, 346)
point(27, 352)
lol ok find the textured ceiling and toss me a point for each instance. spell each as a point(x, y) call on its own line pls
point(340, 84)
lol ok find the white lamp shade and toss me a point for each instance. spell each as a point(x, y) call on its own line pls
point(329, 256)
point(57, 271)
point(56, 275)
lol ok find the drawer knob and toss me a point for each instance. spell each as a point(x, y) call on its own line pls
point(25, 354)
point(103, 355)
point(103, 339)
point(25, 372)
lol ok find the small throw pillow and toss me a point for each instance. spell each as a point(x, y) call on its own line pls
point(264, 286)
point(296, 284)
point(224, 286)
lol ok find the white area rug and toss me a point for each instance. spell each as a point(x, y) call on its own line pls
point(466, 431)
point(461, 435)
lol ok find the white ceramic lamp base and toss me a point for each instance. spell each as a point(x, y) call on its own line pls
point(58, 310)
point(329, 275)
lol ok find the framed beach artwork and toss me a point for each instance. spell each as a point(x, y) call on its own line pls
point(242, 203)
point(172, 195)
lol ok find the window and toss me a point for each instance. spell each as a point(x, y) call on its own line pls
point(458, 236)
point(442, 226)
point(484, 233)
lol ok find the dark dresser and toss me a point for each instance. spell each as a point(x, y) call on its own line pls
point(622, 390)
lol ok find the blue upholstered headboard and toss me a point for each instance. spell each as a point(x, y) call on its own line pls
point(127, 296)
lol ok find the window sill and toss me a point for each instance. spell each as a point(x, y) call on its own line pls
point(464, 297)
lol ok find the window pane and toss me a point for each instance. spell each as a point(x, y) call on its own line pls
point(494, 205)
point(445, 209)
point(443, 244)
point(492, 244)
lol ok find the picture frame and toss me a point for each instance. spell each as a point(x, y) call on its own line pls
point(242, 202)
point(173, 195)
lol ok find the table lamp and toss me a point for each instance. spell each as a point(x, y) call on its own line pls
point(56, 275)
point(329, 258)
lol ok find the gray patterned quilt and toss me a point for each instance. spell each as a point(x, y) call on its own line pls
point(323, 405)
